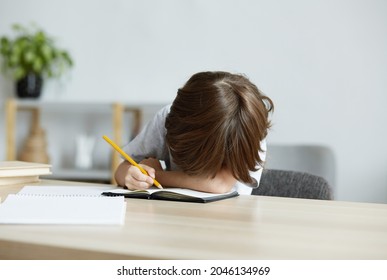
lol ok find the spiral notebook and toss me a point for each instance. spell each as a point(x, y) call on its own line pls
point(62, 205)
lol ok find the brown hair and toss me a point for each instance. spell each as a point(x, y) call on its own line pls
point(216, 121)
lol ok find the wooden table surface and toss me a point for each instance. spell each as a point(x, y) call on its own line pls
point(245, 227)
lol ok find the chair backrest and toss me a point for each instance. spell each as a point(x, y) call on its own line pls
point(314, 159)
point(285, 183)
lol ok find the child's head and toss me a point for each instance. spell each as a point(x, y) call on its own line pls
point(218, 120)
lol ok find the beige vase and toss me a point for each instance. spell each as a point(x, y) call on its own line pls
point(34, 149)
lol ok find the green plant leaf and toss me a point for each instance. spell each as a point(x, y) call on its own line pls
point(5, 45)
point(46, 52)
point(14, 60)
point(37, 65)
point(40, 37)
point(29, 56)
point(19, 73)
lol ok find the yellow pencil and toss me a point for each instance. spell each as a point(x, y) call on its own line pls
point(128, 158)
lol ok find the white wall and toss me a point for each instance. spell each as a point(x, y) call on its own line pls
point(324, 63)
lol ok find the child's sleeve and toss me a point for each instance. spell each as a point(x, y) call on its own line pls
point(150, 142)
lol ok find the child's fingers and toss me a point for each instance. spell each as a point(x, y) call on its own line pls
point(150, 170)
point(133, 184)
point(138, 175)
point(137, 180)
point(136, 185)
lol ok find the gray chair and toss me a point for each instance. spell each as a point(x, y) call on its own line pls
point(313, 159)
point(285, 183)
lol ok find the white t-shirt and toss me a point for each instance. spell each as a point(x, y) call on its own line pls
point(150, 142)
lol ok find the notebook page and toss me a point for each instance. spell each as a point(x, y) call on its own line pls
point(76, 210)
point(189, 192)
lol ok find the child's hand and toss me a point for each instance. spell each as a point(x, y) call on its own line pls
point(136, 180)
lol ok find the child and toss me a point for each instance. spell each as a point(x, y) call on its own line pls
point(212, 138)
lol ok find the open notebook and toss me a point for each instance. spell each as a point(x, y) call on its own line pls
point(174, 194)
point(62, 205)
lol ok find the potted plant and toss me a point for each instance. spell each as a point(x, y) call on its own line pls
point(30, 57)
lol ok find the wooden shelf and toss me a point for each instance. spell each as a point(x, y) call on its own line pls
point(115, 110)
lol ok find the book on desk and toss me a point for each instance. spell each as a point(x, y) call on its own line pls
point(21, 172)
point(172, 194)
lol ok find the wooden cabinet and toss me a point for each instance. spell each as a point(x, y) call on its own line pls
point(115, 111)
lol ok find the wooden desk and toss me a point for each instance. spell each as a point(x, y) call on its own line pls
point(246, 227)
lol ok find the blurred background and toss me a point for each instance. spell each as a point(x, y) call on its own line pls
point(323, 63)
